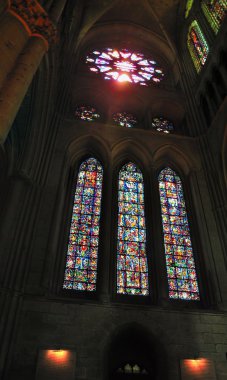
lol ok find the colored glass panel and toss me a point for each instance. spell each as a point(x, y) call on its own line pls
point(215, 12)
point(82, 254)
point(132, 270)
point(197, 45)
point(189, 5)
point(124, 119)
point(180, 265)
point(162, 125)
point(86, 113)
point(124, 66)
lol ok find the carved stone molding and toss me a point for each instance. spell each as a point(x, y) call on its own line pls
point(34, 18)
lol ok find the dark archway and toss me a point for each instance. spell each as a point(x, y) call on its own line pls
point(136, 355)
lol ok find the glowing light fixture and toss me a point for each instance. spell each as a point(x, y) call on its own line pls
point(197, 369)
point(57, 356)
point(56, 364)
point(124, 66)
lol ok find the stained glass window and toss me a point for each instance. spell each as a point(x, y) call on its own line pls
point(86, 113)
point(132, 270)
point(181, 272)
point(215, 12)
point(124, 66)
point(82, 254)
point(162, 125)
point(125, 119)
point(197, 45)
point(189, 5)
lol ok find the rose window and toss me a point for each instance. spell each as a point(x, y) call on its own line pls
point(86, 113)
point(162, 125)
point(124, 119)
point(124, 66)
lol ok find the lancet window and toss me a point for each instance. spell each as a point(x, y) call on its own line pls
point(180, 263)
point(197, 45)
point(215, 12)
point(83, 244)
point(132, 269)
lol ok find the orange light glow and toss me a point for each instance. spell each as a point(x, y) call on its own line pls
point(196, 367)
point(124, 78)
point(57, 356)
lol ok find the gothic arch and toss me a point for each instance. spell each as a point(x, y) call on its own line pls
point(173, 156)
point(77, 152)
point(84, 95)
point(109, 31)
point(172, 109)
point(88, 145)
point(129, 149)
point(135, 344)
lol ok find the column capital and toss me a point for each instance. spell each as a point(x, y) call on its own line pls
point(35, 19)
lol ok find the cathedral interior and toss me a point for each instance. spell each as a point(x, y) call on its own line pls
point(113, 179)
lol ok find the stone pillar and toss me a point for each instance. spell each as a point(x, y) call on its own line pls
point(13, 40)
point(40, 33)
point(57, 9)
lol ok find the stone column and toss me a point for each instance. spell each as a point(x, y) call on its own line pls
point(57, 9)
point(13, 40)
point(41, 32)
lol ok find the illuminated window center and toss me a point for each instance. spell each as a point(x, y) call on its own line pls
point(124, 66)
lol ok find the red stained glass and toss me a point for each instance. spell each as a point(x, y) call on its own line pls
point(180, 263)
point(82, 254)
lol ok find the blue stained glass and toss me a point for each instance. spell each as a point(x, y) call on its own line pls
point(132, 270)
point(82, 254)
point(181, 272)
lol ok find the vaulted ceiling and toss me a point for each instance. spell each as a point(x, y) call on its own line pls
point(146, 26)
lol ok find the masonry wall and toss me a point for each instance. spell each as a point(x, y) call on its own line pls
point(89, 327)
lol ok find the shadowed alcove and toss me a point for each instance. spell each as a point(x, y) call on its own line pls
point(135, 354)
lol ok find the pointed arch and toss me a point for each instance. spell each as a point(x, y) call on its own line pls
point(132, 268)
point(180, 264)
point(188, 7)
point(215, 12)
point(83, 244)
point(197, 45)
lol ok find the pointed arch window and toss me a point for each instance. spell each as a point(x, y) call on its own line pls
point(180, 264)
point(82, 253)
point(132, 269)
point(188, 7)
point(215, 12)
point(197, 45)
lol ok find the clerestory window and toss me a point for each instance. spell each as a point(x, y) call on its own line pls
point(83, 244)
